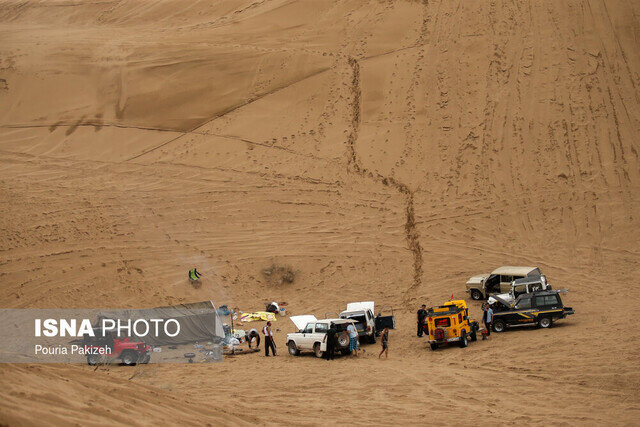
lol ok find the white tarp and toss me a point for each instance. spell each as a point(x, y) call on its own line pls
point(301, 321)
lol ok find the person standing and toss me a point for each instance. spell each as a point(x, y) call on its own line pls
point(488, 318)
point(353, 340)
point(384, 337)
point(331, 343)
point(422, 314)
point(268, 340)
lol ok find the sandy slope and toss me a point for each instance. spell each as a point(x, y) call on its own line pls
point(386, 150)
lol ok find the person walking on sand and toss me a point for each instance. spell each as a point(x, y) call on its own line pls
point(268, 340)
point(384, 337)
point(422, 314)
point(353, 340)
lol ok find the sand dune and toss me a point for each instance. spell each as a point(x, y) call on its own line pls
point(383, 150)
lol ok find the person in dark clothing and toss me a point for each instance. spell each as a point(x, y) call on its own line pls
point(487, 318)
point(331, 343)
point(268, 340)
point(422, 314)
point(253, 334)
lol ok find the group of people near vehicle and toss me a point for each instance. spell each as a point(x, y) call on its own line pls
point(487, 319)
point(332, 339)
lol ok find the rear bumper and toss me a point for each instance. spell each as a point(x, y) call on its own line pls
point(567, 311)
point(445, 340)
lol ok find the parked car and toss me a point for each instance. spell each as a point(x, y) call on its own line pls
point(450, 323)
point(362, 314)
point(526, 285)
point(312, 335)
point(540, 308)
point(499, 281)
point(127, 351)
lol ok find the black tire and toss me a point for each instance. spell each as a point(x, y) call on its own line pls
point(293, 349)
point(499, 325)
point(93, 359)
point(474, 336)
point(464, 341)
point(345, 352)
point(129, 358)
point(372, 338)
point(545, 322)
point(476, 294)
point(317, 351)
point(343, 339)
point(434, 346)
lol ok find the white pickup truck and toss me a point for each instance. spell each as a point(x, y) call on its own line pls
point(312, 335)
point(366, 324)
point(362, 314)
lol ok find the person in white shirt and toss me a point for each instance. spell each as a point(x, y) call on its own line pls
point(268, 340)
point(353, 340)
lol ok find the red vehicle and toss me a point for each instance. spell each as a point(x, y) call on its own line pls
point(109, 348)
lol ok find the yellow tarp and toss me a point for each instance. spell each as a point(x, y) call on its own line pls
point(258, 315)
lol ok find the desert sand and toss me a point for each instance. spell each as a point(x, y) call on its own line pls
point(383, 150)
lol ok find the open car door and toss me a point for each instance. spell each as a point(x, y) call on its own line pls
point(302, 320)
point(385, 319)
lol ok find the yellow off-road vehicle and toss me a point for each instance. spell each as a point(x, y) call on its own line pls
point(450, 323)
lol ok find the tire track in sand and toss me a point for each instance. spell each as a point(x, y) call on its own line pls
point(411, 231)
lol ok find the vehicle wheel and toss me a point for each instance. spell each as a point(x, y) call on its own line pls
point(463, 339)
point(499, 325)
point(93, 359)
point(474, 336)
point(434, 346)
point(317, 351)
point(476, 294)
point(293, 350)
point(372, 338)
point(129, 358)
point(343, 339)
point(345, 352)
point(545, 322)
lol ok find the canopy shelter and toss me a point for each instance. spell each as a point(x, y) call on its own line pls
point(199, 321)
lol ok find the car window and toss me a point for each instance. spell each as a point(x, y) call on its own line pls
point(547, 300)
point(506, 279)
point(443, 322)
point(308, 329)
point(321, 327)
point(524, 303)
point(517, 277)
